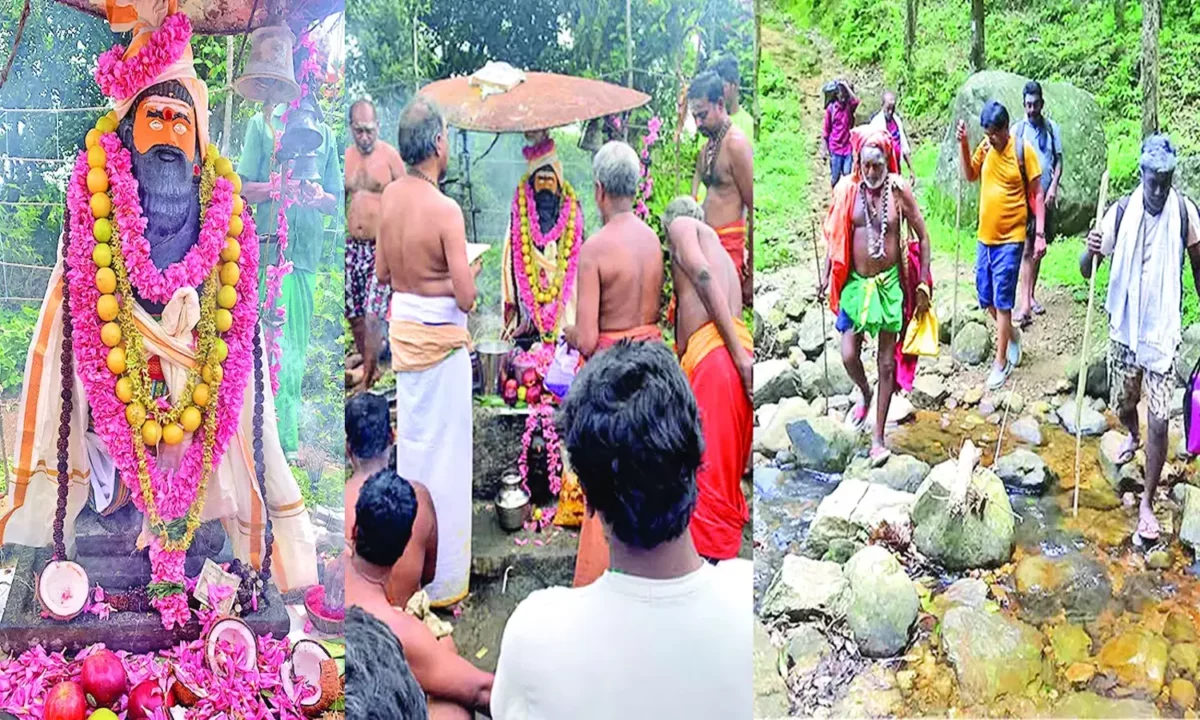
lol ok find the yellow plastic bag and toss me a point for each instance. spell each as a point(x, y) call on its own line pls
point(921, 337)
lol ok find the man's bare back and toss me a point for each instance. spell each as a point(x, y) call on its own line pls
point(901, 204)
point(731, 180)
point(620, 277)
point(414, 569)
point(366, 178)
point(687, 235)
point(422, 245)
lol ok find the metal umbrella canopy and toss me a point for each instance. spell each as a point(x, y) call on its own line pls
point(543, 101)
point(234, 17)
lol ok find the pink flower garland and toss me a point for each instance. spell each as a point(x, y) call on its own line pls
point(541, 416)
point(122, 79)
point(257, 694)
point(174, 492)
point(646, 184)
point(151, 283)
point(548, 312)
point(539, 240)
point(275, 275)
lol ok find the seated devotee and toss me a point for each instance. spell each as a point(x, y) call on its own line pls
point(379, 683)
point(662, 634)
point(369, 439)
point(383, 523)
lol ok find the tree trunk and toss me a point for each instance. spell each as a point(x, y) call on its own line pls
point(978, 56)
point(1151, 21)
point(910, 30)
point(1119, 14)
point(757, 59)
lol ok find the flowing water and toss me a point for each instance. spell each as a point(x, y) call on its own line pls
point(1113, 626)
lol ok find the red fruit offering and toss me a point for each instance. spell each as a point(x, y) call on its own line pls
point(104, 679)
point(145, 698)
point(65, 701)
point(511, 383)
point(532, 394)
point(529, 378)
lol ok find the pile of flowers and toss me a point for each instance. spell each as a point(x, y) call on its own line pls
point(108, 263)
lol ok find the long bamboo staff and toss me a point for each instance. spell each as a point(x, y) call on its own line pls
point(1087, 331)
point(820, 302)
point(955, 321)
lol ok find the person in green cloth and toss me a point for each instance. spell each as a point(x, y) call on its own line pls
point(727, 67)
point(313, 201)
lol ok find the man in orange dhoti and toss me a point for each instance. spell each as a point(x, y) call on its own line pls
point(716, 353)
point(620, 284)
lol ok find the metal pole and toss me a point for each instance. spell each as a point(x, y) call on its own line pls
point(466, 159)
point(228, 130)
point(955, 320)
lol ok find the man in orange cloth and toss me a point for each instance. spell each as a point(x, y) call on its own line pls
point(726, 167)
point(876, 282)
point(717, 354)
point(620, 285)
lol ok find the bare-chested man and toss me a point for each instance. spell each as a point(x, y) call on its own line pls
point(726, 167)
point(369, 438)
point(620, 292)
point(422, 255)
point(385, 513)
point(370, 165)
point(621, 267)
point(867, 269)
point(717, 355)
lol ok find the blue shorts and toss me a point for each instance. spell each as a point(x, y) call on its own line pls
point(997, 268)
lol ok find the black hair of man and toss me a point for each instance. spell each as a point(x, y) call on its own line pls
point(383, 518)
point(355, 104)
point(379, 683)
point(633, 433)
point(994, 116)
point(421, 125)
point(1034, 88)
point(726, 66)
point(368, 425)
point(708, 86)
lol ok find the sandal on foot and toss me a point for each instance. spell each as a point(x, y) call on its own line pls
point(1038, 308)
point(1128, 454)
point(1022, 321)
point(1142, 533)
point(857, 417)
point(879, 456)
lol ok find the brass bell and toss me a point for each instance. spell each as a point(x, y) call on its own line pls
point(269, 76)
point(301, 134)
point(304, 167)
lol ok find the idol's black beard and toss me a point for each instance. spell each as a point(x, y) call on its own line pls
point(547, 204)
point(170, 196)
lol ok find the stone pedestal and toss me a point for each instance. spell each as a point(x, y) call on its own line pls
point(106, 547)
point(21, 623)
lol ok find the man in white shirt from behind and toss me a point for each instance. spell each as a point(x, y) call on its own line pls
point(662, 634)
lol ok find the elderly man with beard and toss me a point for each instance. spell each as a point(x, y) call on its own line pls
point(869, 270)
point(313, 202)
point(726, 167)
point(1147, 234)
point(370, 165)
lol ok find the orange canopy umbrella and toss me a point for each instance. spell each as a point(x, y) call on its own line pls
point(543, 101)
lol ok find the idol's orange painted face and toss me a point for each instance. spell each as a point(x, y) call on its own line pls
point(545, 180)
point(165, 121)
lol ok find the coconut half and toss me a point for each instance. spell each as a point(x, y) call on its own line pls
point(186, 690)
point(311, 677)
point(62, 589)
point(230, 638)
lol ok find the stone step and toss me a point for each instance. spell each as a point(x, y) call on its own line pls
point(493, 550)
point(21, 623)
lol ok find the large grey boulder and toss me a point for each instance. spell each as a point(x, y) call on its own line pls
point(1024, 471)
point(851, 512)
point(806, 588)
point(980, 535)
point(822, 443)
point(773, 381)
point(992, 654)
point(972, 344)
point(883, 602)
point(1079, 120)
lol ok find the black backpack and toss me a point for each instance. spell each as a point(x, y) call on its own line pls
point(1018, 138)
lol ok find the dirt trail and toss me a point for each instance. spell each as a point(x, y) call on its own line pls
point(1048, 346)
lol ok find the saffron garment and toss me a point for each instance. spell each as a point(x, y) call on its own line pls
point(431, 356)
point(733, 239)
point(839, 238)
point(727, 421)
point(234, 496)
point(592, 558)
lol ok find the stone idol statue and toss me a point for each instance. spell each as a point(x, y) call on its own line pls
point(146, 424)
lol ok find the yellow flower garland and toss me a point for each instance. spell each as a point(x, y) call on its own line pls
point(197, 403)
point(551, 291)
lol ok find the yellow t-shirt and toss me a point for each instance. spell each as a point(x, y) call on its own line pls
point(1002, 208)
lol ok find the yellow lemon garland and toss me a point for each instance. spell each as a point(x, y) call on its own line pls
point(197, 404)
